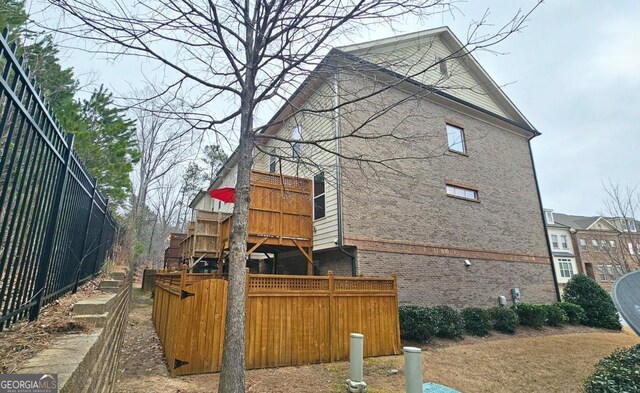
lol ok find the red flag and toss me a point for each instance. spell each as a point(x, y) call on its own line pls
point(226, 194)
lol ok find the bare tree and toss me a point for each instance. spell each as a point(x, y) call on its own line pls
point(231, 59)
point(621, 206)
point(162, 145)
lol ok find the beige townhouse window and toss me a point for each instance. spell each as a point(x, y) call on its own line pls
point(455, 139)
point(595, 245)
point(566, 267)
point(565, 244)
point(319, 207)
point(462, 193)
point(583, 245)
point(554, 241)
point(601, 274)
point(296, 135)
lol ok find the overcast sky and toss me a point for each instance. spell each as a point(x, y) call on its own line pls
point(574, 72)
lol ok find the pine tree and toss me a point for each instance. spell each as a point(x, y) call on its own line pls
point(107, 145)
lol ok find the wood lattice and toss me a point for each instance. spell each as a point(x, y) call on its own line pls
point(363, 285)
point(290, 182)
point(283, 284)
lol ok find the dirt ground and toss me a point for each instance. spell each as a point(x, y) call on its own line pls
point(23, 340)
point(554, 359)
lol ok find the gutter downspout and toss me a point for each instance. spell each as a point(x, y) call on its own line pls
point(544, 224)
point(340, 242)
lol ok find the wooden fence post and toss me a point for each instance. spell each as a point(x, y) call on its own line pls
point(397, 316)
point(183, 277)
point(331, 312)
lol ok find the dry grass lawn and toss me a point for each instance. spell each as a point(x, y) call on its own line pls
point(552, 360)
point(537, 364)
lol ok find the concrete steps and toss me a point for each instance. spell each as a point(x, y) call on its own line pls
point(97, 320)
point(97, 305)
point(110, 286)
point(93, 311)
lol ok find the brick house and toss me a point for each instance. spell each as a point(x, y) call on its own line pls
point(605, 248)
point(451, 225)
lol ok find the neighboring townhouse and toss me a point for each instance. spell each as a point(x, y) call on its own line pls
point(451, 226)
point(605, 247)
point(562, 249)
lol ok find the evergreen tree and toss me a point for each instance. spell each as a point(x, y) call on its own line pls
point(13, 17)
point(107, 145)
point(215, 158)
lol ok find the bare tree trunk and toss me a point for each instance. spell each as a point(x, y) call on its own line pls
point(232, 374)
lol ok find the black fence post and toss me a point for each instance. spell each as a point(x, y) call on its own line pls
point(84, 253)
point(47, 252)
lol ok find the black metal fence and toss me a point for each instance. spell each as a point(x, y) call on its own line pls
point(55, 228)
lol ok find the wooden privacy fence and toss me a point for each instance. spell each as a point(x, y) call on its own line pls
point(290, 320)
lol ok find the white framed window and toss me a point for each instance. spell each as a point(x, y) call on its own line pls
point(603, 243)
point(461, 192)
point(443, 66)
point(601, 274)
point(455, 139)
point(566, 268)
point(632, 225)
point(610, 272)
point(625, 227)
point(554, 241)
point(273, 161)
point(583, 245)
point(595, 245)
point(296, 135)
point(619, 270)
point(631, 250)
point(612, 243)
point(319, 206)
point(549, 216)
point(563, 241)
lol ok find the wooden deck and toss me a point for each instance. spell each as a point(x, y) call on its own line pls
point(290, 320)
point(280, 216)
point(203, 241)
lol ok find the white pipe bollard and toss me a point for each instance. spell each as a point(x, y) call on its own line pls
point(355, 383)
point(413, 369)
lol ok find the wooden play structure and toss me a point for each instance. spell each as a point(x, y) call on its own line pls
point(290, 320)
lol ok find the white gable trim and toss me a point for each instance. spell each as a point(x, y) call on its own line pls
point(605, 220)
point(454, 45)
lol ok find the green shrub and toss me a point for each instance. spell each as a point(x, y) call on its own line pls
point(449, 322)
point(417, 323)
point(618, 372)
point(533, 315)
point(476, 321)
point(574, 312)
point(595, 301)
point(556, 316)
point(504, 319)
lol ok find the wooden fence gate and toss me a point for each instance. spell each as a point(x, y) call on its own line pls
point(290, 320)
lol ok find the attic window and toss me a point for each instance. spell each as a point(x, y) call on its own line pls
point(632, 225)
point(442, 63)
point(549, 216)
